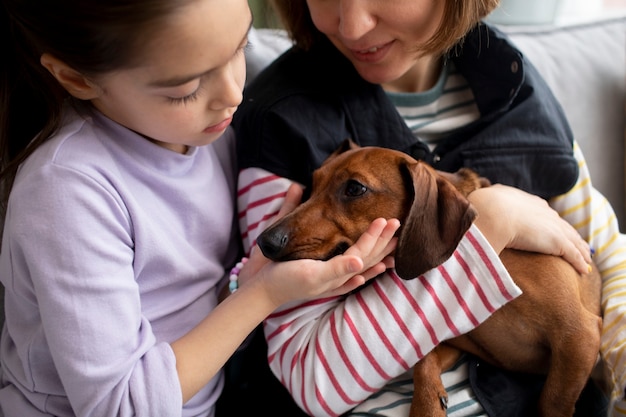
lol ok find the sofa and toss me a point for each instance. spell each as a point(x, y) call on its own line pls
point(584, 64)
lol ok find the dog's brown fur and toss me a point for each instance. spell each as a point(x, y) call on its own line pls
point(553, 328)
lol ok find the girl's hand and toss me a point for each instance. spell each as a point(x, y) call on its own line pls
point(292, 200)
point(511, 218)
point(257, 260)
point(307, 278)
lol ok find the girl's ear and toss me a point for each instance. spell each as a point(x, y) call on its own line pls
point(73, 81)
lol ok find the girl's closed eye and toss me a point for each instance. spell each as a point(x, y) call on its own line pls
point(183, 93)
point(189, 98)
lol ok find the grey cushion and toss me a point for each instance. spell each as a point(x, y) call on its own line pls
point(585, 65)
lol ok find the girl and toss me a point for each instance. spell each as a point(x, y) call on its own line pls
point(428, 78)
point(120, 224)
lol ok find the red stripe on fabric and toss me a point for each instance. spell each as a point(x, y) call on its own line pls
point(292, 366)
point(292, 363)
point(253, 226)
point(379, 331)
point(302, 385)
point(490, 266)
point(283, 347)
point(477, 287)
point(258, 181)
point(305, 405)
point(294, 360)
point(416, 307)
point(344, 357)
point(290, 310)
point(394, 313)
point(260, 202)
point(279, 329)
point(331, 376)
point(459, 298)
point(368, 354)
point(323, 403)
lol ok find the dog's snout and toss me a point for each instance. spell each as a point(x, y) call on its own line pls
point(272, 243)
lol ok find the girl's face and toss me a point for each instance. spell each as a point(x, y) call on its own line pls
point(191, 78)
point(380, 37)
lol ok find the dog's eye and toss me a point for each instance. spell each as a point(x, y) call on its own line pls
point(355, 189)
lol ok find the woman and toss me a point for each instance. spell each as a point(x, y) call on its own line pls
point(428, 78)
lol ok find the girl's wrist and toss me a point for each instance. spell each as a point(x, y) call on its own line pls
point(233, 278)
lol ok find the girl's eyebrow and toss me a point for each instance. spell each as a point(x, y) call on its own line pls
point(176, 81)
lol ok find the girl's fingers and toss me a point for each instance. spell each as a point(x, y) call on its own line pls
point(368, 257)
point(387, 263)
point(376, 242)
point(373, 249)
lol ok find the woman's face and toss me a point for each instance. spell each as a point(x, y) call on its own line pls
point(190, 80)
point(381, 38)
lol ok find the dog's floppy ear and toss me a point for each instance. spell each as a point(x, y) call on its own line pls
point(437, 221)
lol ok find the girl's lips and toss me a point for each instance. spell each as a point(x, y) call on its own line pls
point(372, 54)
point(219, 127)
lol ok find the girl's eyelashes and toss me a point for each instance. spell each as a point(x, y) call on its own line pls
point(246, 47)
point(184, 100)
point(194, 96)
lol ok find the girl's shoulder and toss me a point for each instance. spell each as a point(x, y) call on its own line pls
point(79, 152)
point(77, 142)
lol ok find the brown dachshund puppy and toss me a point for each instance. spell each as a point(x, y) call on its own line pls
point(552, 328)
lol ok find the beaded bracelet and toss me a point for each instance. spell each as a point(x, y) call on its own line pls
point(233, 279)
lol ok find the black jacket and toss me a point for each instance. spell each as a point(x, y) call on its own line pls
point(301, 107)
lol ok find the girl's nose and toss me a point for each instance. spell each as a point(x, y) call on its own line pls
point(355, 19)
point(228, 90)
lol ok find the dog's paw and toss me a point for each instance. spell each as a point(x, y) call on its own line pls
point(443, 400)
point(431, 404)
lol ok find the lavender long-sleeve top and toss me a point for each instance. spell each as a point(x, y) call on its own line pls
point(113, 247)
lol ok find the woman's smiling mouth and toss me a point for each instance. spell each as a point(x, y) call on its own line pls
point(371, 54)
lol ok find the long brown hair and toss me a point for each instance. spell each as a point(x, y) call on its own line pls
point(92, 37)
point(459, 17)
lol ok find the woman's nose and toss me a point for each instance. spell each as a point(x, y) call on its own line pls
point(355, 18)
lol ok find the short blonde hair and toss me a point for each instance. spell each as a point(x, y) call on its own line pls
point(459, 17)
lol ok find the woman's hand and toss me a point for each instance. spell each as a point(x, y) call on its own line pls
point(511, 218)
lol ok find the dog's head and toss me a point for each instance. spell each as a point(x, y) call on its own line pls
point(356, 185)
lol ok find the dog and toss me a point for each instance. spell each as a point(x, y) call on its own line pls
point(538, 332)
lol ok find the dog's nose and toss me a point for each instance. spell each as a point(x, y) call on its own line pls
point(272, 242)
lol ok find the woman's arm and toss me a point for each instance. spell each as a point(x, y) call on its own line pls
point(592, 215)
point(355, 345)
point(504, 220)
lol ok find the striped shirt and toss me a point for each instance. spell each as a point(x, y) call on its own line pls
point(335, 354)
point(449, 105)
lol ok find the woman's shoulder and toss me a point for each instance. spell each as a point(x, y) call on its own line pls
point(286, 74)
point(319, 70)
